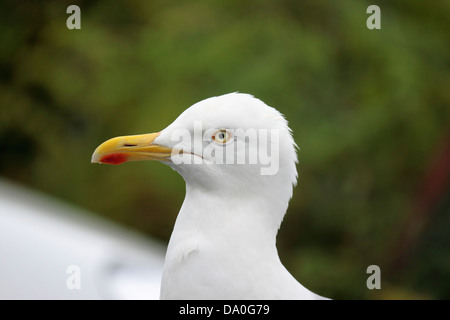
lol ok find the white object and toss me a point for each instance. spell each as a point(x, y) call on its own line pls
point(223, 245)
point(49, 250)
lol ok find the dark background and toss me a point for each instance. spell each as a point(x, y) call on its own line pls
point(369, 110)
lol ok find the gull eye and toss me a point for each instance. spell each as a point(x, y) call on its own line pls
point(221, 136)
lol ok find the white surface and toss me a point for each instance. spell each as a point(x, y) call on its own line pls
point(40, 238)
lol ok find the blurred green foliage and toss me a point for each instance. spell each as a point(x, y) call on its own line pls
point(369, 110)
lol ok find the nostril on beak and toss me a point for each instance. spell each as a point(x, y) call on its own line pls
point(129, 145)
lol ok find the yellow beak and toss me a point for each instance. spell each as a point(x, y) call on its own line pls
point(131, 148)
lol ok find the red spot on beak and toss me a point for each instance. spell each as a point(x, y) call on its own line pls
point(114, 158)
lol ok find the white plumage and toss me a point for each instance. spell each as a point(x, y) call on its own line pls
point(223, 245)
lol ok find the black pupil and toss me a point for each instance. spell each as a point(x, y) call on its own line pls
point(221, 135)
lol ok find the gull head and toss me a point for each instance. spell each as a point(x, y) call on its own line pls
point(230, 144)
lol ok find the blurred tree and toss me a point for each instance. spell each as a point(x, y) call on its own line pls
point(367, 107)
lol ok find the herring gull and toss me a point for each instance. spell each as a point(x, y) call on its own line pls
point(238, 159)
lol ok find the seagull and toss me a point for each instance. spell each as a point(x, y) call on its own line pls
point(238, 159)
